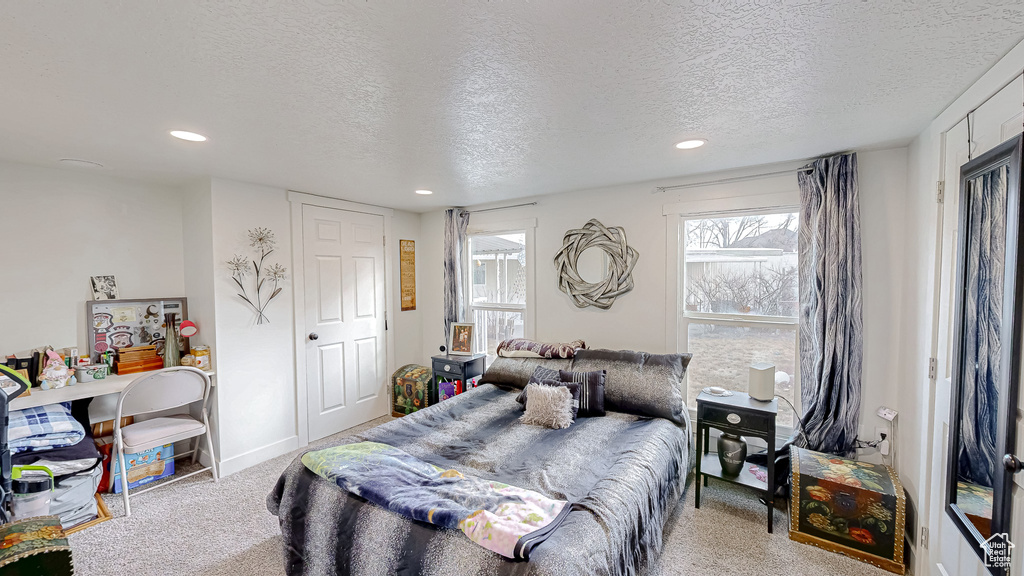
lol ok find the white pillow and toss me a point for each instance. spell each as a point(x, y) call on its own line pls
point(549, 406)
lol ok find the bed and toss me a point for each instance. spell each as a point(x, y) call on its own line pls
point(622, 473)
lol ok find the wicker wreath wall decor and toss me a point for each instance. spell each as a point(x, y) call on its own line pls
point(618, 279)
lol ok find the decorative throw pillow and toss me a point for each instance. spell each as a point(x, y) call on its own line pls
point(549, 406)
point(572, 386)
point(591, 390)
point(523, 348)
point(540, 373)
point(517, 371)
point(640, 383)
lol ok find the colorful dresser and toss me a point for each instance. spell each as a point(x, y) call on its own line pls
point(850, 507)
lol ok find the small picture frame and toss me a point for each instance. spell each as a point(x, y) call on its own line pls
point(460, 341)
point(104, 288)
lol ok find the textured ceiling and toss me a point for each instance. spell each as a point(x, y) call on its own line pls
point(476, 100)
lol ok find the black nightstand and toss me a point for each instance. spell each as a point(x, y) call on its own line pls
point(742, 415)
point(448, 368)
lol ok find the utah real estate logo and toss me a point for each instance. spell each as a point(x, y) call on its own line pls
point(997, 550)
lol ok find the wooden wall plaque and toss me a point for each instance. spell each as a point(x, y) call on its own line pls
point(407, 248)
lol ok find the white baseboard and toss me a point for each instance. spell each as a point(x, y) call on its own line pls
point(255, 456)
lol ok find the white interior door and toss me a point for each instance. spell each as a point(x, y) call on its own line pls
point(993, 123)
point(346, 378)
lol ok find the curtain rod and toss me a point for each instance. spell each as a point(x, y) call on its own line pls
point(660, 189)
point(503, 207)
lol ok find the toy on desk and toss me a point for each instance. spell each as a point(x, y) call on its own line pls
point(55, 374)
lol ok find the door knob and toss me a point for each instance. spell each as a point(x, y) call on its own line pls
point(313, 335)
point(1012, 464)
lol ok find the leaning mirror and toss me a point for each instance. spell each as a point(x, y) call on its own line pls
point(986, 347)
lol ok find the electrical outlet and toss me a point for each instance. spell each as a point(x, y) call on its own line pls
point(879, 430)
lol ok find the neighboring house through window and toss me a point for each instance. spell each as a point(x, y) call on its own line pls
point(740, 300)
point(498, 286)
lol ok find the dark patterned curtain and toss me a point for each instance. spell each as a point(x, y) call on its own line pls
point(831, 326)
point(983, 314)
point(456, 221)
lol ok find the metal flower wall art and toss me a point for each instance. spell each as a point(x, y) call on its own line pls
point(618, 278)
point(265, 277)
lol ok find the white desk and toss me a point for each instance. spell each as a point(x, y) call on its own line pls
point(99, 411)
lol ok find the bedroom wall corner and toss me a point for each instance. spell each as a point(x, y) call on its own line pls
point(430, 282)
point(255, 364)
point(197, 244)
point(406, 327)
point(882, 176)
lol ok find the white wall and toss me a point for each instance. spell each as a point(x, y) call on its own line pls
point(197, 241)
point(61, 226)
point(256, 412)
point(883, 183)
point(406, 327)
point(637, 320)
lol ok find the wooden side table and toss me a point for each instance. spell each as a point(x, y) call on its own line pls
point(454, 367)
point(737, 414)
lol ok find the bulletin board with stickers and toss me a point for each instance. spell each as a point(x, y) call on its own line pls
point(116, 324)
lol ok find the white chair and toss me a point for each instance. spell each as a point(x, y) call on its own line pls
point(155, 392)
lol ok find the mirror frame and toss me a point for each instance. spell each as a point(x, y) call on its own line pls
point(1009, 153)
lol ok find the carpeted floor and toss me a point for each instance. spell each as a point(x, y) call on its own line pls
point(206, 529)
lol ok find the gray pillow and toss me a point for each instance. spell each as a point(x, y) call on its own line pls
point(517, 371)
point(541, 374)
point(549, 406)
point(638, 382)
point(591, 390)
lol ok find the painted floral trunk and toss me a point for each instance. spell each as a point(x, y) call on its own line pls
point(411, 392)
point(850, 507)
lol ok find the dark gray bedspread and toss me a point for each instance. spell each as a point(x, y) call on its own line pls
point(623, 475)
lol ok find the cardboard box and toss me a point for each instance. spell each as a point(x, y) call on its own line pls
point(143, 468)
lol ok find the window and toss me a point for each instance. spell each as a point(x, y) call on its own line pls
point(740, 301)
point(497, 288)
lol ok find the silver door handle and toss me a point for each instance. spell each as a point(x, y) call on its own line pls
point(313, 335)
point(1012, 464)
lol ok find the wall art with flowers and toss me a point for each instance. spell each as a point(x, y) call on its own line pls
point(258, 281)
point(856, 508)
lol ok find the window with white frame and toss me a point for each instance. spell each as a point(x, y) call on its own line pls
point(497, 287)
point(740, 300)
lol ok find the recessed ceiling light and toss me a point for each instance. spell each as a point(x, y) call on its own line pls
point(80, 163)
point(425, 192)
point(190, 136)
point(691, 144)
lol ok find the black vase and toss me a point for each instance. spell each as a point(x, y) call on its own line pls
point(732, 452)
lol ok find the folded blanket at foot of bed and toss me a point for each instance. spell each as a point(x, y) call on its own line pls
point(501, 518)
point(43, 428)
